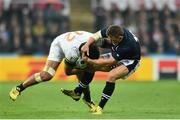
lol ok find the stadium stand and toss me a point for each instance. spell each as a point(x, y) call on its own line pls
point(28, 28)
point(155, 22)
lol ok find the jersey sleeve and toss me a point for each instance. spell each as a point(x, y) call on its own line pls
point(100, 34)
point(103, 32)
point(105, 43)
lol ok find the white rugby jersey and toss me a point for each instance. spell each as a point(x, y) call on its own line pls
point(67, 46)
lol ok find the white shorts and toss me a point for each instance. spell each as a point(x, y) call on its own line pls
point(132, 65)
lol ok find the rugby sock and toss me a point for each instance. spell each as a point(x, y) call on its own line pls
point(107, 92)
point(78, 90)
point(85, 78)
point(87, 95)
point(21, 87)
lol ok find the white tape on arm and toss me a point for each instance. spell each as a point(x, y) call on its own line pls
point(97, 35)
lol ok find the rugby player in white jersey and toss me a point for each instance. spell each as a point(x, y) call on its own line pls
point(65, 46)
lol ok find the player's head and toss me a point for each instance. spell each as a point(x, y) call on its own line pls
point(115, 34)
point(93, 51)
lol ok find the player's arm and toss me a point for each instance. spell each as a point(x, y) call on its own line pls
point(101, 61)
point(95, 37)
point(105, 43)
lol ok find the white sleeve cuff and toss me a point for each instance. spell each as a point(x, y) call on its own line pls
point(97, 35)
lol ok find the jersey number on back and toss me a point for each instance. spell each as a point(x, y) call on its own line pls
point(71, 35)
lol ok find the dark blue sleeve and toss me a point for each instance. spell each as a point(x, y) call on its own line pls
point(103, 32)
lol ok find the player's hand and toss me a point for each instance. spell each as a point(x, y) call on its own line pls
point(85, 49)
point(84, 57)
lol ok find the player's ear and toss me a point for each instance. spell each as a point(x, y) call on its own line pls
point(120, 37)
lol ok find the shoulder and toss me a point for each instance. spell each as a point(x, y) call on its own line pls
point(82, 32)
point(103, 31)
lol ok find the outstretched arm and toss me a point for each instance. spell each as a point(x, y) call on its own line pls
point(101, 61)
point(96, 36)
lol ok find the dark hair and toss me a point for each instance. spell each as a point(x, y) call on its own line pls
point(115, 30)
point(93, 51)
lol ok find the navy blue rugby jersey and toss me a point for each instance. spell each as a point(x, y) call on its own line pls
point(128, 48)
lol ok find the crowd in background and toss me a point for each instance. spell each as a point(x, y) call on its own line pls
point(155, 22)
point(30, 28)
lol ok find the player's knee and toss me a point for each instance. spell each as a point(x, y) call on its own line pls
point(45, 76)
point(42, 76)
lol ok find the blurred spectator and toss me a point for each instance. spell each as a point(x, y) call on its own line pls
point(51, 14)
point(4, 37)
point(38, 28)
point(28, 44)
point(17, 44)
point(99, 15)
point(155, 22)
point(28, 27)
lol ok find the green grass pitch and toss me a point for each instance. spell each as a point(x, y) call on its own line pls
point(140, 100)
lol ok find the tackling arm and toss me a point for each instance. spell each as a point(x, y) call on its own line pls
point(96, 36)
point(102, 61)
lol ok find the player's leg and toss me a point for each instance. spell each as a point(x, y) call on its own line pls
point(87, 99)
point(87, 94)
point(45, 75)
point(54, 59)
point(68, 68)
point(84, 79)
point(114, 74)
point(122, 71)
point(83, 87)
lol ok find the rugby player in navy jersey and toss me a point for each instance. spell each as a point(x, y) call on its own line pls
point(124, 57)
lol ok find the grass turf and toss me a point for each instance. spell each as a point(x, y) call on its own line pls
point(140, 100)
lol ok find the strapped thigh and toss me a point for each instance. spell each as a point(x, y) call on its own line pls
point(49, 70)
